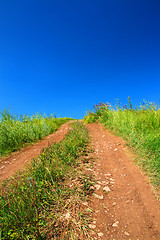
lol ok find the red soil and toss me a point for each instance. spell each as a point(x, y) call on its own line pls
point(9, 165)
point(130, 210)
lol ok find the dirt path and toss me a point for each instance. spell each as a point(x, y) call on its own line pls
point(8, 166)
point(129, 209)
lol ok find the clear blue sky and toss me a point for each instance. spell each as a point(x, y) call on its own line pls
point(64, 56)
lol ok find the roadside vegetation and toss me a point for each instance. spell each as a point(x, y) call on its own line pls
point(17, 131)
point(140, 126)
point(45, 202)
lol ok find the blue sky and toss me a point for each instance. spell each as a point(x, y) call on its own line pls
point(65, 56)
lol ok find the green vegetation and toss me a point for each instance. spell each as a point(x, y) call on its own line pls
point(140, 127)
point(17, 131)
point(44, 202)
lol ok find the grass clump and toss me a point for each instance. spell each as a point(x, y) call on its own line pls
point(44, 202)
point(94, 115)
point(16, 131)
point(140, 127)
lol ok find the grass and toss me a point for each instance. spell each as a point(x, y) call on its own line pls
point(17, 131)
point(45, 201)
point(139, 126)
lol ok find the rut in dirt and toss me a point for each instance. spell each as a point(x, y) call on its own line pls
point(127, 208)
point(9, 166)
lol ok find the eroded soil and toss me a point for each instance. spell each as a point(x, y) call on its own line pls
point(129, 208)
point(124, 204)
point(10, 165)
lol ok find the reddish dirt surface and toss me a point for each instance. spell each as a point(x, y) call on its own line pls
point(8, 166)
point(130, 210)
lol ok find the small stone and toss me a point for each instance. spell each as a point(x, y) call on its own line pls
point(94, 222)
point(92, 226)
point(115, 149)
point(105, 183)
point(107, 174)
point(114, 204)
point(100, 234)
point(2, 167)
point(115, 224)
point(112, 182)
point(106, 189)
point(85, 203)
point(89, 169)
point(97, 186)
point(99, 182)
point(98, 196)
point(126, 233)
point(67, 215)
point(111, 179)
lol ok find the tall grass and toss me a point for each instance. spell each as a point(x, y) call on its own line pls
point(15, 131)
point(139, 126)
point(43, 202)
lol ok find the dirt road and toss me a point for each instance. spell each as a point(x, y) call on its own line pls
point(124, 204)
point(8, 166)
point(127, 207)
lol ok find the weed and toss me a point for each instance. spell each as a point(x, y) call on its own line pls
point(44, 202)
point(140, 127)
point(16, 131)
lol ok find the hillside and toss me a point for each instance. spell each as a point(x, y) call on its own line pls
point(97, 190)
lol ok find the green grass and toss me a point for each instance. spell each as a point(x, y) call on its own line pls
point(44, 202)
point(140, 127)
point(17, 131)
